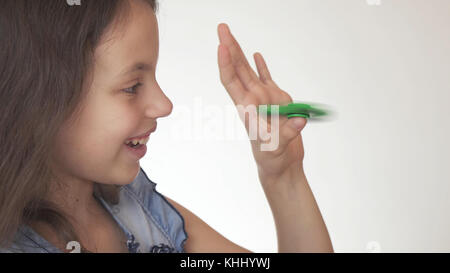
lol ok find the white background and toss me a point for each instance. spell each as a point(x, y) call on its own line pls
point(379, 171)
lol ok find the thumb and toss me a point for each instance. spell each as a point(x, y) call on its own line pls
point(296, 124)
point(291, 129)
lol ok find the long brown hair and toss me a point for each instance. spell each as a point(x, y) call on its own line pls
point(46, 53)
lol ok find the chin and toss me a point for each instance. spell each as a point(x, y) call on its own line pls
point(131, 173)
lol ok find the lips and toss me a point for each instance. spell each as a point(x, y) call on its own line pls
point(144, 135)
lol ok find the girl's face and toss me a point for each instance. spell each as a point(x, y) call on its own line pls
point(91, 146)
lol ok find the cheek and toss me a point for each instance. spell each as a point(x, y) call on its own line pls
point(92, 145)
point(83, 154)
point(95, 157)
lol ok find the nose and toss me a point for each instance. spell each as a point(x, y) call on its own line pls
point(159, 105)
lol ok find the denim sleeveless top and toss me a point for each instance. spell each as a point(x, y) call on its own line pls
point(150, 222)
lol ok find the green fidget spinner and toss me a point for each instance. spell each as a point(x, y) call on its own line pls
point(295, 109)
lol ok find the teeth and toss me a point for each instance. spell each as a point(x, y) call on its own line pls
point(136, 141)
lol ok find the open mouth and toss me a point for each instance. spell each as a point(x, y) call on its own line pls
point(134, 146)
point(137, 148)
point(137, 143)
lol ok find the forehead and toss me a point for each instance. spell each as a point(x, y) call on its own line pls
point(134, 39)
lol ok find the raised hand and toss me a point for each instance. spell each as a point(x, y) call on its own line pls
point(248, 90)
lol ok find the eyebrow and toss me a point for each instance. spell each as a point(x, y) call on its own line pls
point(139, 66)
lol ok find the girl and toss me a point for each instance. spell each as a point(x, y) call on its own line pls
point(77, 86)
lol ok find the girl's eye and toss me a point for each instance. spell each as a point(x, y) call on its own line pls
point(133, 89)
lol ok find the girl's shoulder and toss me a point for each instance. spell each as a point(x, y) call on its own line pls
point(26, 240)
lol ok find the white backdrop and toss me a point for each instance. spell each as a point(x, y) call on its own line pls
point(379, 171)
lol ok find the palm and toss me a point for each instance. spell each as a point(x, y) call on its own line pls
point(246, 88)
